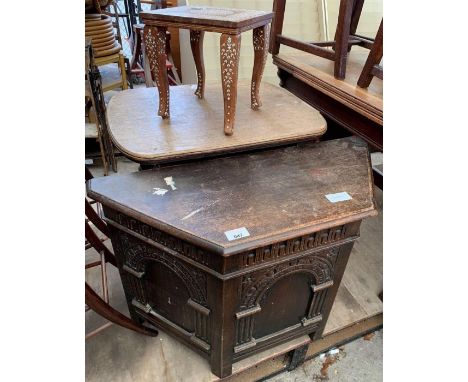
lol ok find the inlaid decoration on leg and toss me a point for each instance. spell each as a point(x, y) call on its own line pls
point(230, 46)
point(155, 45)
point(196, 42)
point(260, 43)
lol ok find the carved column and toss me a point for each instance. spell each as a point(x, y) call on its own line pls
point(319, 294)
point(244, 328)
point(201, 314)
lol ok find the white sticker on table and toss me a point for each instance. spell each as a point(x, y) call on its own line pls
point(338, 197)
point(237, 233)
point(159, 191)
point(170, 182)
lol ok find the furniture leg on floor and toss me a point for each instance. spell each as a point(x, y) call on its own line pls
point(230, 47)
point(196, 42)
point(155, 45)
point(298, 357)
point(260, 43)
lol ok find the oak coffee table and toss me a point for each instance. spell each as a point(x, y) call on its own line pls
point(230, 23)
point(239, 254)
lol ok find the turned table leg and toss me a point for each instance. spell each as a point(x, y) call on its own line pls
point(230, 46)
point(155, 44)
point(260, 44)
point(196, 42)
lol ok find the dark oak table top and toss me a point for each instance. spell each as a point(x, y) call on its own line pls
point(209, 17)
point(275, 194)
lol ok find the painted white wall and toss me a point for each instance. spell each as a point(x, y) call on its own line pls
point(368, 23)
point(306, 20)
point(301, 21)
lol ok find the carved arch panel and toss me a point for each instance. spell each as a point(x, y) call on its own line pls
point(315, 272)
point(164, 286)
point(138, 255)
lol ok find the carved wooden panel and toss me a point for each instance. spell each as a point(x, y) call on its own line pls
point(293, 246)
point(150, 288)
point(255, 284)
point(316, 270)
point(171, 242)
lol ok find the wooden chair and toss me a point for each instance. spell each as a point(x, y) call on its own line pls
point(98, 128)
point(104, 56)
point(139, 63)
point(345, 35)
point(372, 66)
point(112, 10)
point(93, 301)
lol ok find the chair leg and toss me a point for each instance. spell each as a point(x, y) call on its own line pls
point(342, 38)
point(97, 304)
point(136, 51)
point(128, 72)
point(155, 50)
point(123, 71)
point(357, 10)
point(196, 43)
point(356, 15)
point(375, 55)
point(229, 47)
point(260, 42)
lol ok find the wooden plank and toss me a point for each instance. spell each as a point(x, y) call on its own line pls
point(277, 365)
point(243, 366)
point(365, 273)
point(345, 335)
point(345, 310)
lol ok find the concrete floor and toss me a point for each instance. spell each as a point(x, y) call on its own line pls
point(357, 361)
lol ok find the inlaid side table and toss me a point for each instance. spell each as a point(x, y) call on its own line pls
point(230, 23)
point(236, 255)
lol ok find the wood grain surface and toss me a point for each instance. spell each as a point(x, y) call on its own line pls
point(195, 126)
point(318, 73)
point(275, 194)
point(135, 357)
point(208, 16)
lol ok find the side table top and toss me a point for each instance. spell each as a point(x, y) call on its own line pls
point(273, 195)
point(209, 16)
point(193, 130)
